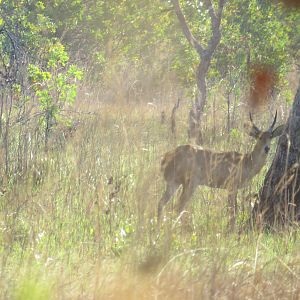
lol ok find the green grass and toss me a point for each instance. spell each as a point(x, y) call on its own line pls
point(81, 223)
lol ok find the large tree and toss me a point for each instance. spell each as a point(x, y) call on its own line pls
point(279, 198)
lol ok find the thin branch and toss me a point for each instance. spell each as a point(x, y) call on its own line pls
point(185, 28)
point(215, 23)
point(215, 17)
point(220, 8)
point(212, 13)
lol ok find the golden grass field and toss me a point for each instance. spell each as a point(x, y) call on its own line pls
point(81, 223)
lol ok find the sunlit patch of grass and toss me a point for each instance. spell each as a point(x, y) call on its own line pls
point(32, 289)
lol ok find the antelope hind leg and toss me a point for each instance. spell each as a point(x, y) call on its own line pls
point(185, 196)
point(232, 207)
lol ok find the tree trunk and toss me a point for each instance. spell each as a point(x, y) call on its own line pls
point(205, 55)
point(201, 81)
point(279, 198)
point(194, 131)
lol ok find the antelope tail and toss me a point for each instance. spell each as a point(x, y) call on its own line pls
point(165, 160)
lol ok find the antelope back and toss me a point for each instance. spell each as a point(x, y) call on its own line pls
point(179, 164)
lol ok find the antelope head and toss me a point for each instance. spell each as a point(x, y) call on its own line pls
point(264, 138)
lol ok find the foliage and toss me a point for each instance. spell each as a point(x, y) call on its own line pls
point(252, 32)
point(98, 32)
point(34, 72)
point(55, 85)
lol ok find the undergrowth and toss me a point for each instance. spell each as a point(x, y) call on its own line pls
point(81, 223)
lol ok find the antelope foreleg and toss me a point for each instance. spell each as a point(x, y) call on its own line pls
point(168, 194)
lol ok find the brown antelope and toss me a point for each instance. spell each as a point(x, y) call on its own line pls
point(191, 165)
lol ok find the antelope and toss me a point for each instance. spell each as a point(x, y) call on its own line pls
point(191, 165)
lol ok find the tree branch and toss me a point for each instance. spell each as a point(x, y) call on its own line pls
point(215, 23)
point(220, 8)
point(212, 13)
point(185, 28)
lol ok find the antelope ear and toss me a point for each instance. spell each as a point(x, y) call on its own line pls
point(278, 131)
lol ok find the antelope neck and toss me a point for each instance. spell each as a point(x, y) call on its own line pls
point(257, 158)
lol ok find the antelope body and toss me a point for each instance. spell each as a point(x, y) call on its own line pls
point(191, 165)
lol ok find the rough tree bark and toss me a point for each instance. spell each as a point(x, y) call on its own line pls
point(279, 198)
point(205, 55)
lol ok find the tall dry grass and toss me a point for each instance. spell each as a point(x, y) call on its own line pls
point(81, 223)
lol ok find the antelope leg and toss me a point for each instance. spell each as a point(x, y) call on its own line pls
point(186, 194)
point(232, 206)
point(168, 194)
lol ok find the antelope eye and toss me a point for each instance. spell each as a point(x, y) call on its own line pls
point(267, 149)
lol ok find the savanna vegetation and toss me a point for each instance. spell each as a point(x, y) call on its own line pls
point(92, 94)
